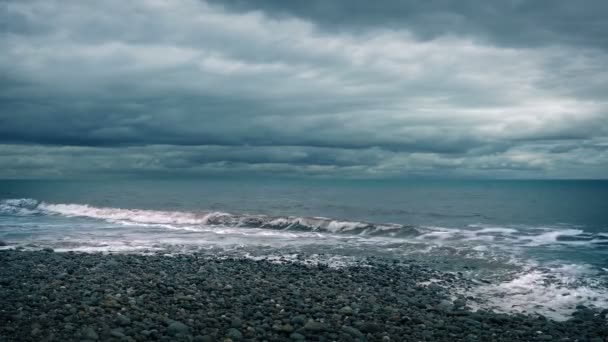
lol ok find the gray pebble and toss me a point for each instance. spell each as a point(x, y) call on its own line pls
point(346, 310)
point(315, 326)
point(352, 331)
point(177, 328)
point(118, 333)
point(89, 333)
point(297, 337)
point(123, 320)
point(234, 334)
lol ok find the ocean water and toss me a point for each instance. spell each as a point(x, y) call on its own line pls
point(527, 246)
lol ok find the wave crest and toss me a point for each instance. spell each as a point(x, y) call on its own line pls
point(489, 235)
point(178, 219)
point(19, 207)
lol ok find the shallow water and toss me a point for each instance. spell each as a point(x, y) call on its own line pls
point(531, 246)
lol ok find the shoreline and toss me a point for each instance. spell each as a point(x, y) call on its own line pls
point(49, 296)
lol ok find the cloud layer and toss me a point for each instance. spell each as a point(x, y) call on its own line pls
point(192, 87)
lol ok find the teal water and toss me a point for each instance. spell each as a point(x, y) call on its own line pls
point(543, 244)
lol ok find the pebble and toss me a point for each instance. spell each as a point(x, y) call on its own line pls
point(346, 310)
point(236, 323)
point(299, 320)
point(89, 334)
point(123, 320)
point(118, 333)
point(352, 331)
point(177, 328)
point(369, 327)
point(315, 326)
point(234, 334)
point(297, 337)
point(287, 328)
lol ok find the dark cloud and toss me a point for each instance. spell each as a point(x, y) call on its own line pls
point(517, 23)
point(315, 88)
point(200, 120)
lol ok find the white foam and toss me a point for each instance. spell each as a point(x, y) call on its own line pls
point(497, 230)
point(509, 237)
point(332, 261)
point(281, 221)
point(129, 215)
point(553, 292)
point(443, 234)
point(438, 235)
point(344, 226)
point(18, 206)
point(550, 237)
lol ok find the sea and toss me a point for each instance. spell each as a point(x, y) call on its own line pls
point(527, 246)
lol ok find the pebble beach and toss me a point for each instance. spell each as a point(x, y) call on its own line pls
point(50, 296)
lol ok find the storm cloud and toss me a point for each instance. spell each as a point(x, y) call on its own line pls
point(507, 89)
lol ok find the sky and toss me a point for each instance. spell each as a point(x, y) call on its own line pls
point(320, 88)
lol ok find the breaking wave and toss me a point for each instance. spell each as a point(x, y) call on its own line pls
point(523, 236)
point(177, 219)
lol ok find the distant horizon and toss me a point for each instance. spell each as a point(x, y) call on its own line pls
point(266, 177)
